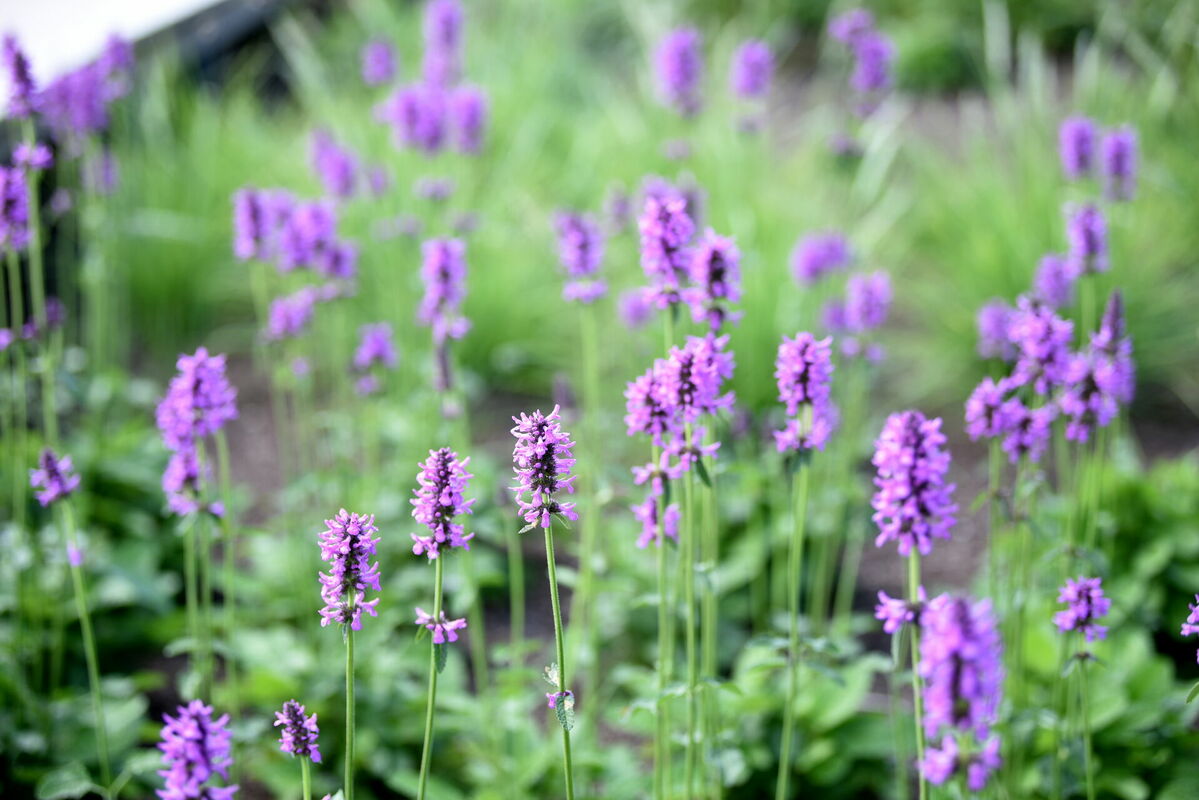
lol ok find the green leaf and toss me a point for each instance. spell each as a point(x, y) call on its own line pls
point(565, 709)
point(703, 472)
point(439, 652)
point(528, 527)
point(69, 780)
point(177, 647)
point(1193, 692)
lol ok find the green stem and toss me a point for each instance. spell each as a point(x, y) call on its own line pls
point(191, 592)
point(229, 531)
point(794, 580)
point(559, 642)
point(661, 731)
point(306, 777)
point(431, 702)
point(349, 772)
point(917, 682)
point(709, 624)
point(687, 556)
point(37, 284)
point(89, 649)
point(995, 472)
point(1086, 731)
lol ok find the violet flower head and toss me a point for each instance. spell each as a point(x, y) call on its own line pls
point(753, 67)
point(994, 338)
point(635, 307)
point(895, 612)
point(1076, 146)
point(679, 67)
point(348, 545)
point(376, 346)
point(309, 229)
point(468, 111)
point(54, 477)
point(651, 531)
point(438, 498)
point(716, 272)
point(443, 269)
point(1088, 400)
point(867, 301)
point(1191, 626)
point(913, 503)
point(850, 25)
point(873, 55)
point(182, 483)
point(646, 408)
point(36, 157)
point(984, 410)
point(581, 251)
point(961, 661)
point(1042, 341)
point(299, 734)
point(941, 763)
point(198, 402)
point(1118, 157)
point(1086, 605)
point(22, 99)
point(290, 315)
point(378, 62)
point(250, 225)
point(1086, 231)
point(444, 630)
point(419, 116)
point(689, 381)
point(195, 751)
point(1027, 431)
point(803, 371)
point(442, 28)
point(818, 254)
point(542, 462)
point(334, 165)
point(666, 229)
point(1054, 281)
point(1111, 348)
point(14, 209)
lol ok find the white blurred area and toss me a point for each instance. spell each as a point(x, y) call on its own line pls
point(59, 35)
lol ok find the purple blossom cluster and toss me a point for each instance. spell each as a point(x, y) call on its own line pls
point(803, 371)
point(378, 62)
point(581, 252)
point(335, 166)
point(864, 310)
point(1054, 281)
point(652, 530)
point(1114, 155)
point(443, 269)
point(1118, 155)
point(994, 318)
point(76, 105)
point(1191, 626)
point(666, 230)
point(438, 498)
point(1042, 341)
point(273, 225)
point(376, 350)
point(54, 478)
point(816, 255)
point(961, 664)
point(542, 461)
point(299, 734)
point(14, 209)
point(715, 271)
point(752, 69)
point(195, 751)
point(895, 612)
point(348, 544)
point(22, 98)
point(1076, 146)
point(679, 69)
point(1085, 606)
point(913, 503)
point(1086, 231)
point(444, 630)
point(873, 54)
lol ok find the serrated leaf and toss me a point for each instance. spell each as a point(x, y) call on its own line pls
point(440, 654)
point(68, 781)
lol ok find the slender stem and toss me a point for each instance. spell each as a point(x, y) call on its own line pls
point(191, 592)
point(229, 584)
point(995, 472)
point(559, 642)
point(794, 581)
point(917, 681)
point(431, 702)
point(1086, 731)
point(89, 648)
point(516, 597)
point(306, 777)
point(661, 731)
point(204, 542)
point(709, 624)
point(349, 772)
point(687, 556)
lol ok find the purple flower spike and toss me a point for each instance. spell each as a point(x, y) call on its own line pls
point(1026, 431)
point(819, 254)
point(442, 28)
point(961, 663)
point(438, 499)
point(419, 116)
point(1086, 230)
point(716, 271)
point(444, 630)
point(984, 410)
point(468, 109)
point(913, 504)
point(994, 339)
point(943, 762)
point(635, 307)
point(647, 514)
point(849, 26)
point(1054, 281)
point(1043, 342)
point(36, 157)
point(1086, 606)
point(803, 371)
point(666, 229)
point(195, 750)
point(689, 380)
point(54, 477)
point(581, 251)
point(336, 166)
point(1115, 371)
point(22, 99)
point(198, 402)
point(873, 54)
point(378, 63)
point(753, 67)
point(1119, 159)
point(679, 65)
point(376, 346)
point(299, 734)
point(14, 209)
point(348, 545)
point(542, 462)
point(443, 269)
point(1076, 146)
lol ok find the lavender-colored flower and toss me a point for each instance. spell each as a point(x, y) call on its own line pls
point(994, 338)
point(444, 630)
point(803, 370)
point(895, 612)
point(1076, 146)
point(22, 98)
point(249, 225)
point(468, 110)
point(35, 157)
point(1086, 230)
point(198, 402)
point(984, 410)
point(867, 301)
point(378, 62)
point(443, 269)
point(334, 165)
point(299, 734)
point(666, 230)
point(848, 26)
point(376, 345)
point(689, 381)
point(1026, 431)
point(647, 514)
point(753, 67)
point(75, 555)
point(961, 663)
point(647, 410)
point(181, 481)
point(443, 24)
point(6, 339)
point(309, 229)
point(542, 462)
point(436, 190)
point(581, 251)
point(14, 209)
point(195, 750)
point(54, 477)
point(551, 698)
point(419, 116)
point(1088, 401)
point(439, 498)
point(289, 316)
point(1118, 152)
point(1086, 605)
point(873, 54)
point(947, 760)
point(1191, 626)
point(1111, 348)
point(1054, 281)
point(913, 504)
point(348, 545)
point(635, 307)
point(716, 272)
point(817, 254)
point(1043, 342)
point(679, 67)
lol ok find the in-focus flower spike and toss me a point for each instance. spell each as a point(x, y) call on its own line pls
point(581, 251)
point(913, 504)
point(647, 514)
point(348, 545)
point(542, 462)
point(1086, 231)
point(1043, 342)
point(1119, 161)
point(753, 67)
point(666, 229)
point(803, 371)
point(195, 750)
point(299, 734)
point(690, 381)
point(54, 477)
point(1076, 146)
point(1054, 281)
point(438, 498)
point(646, 409)
point(1086, 605)
point(444, 630)
point(716, 272)
point(679, 67)
point(378, 63)
point(994, 337)
point(198, 402)
point(818, 254)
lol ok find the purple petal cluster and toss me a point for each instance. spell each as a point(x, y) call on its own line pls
point(1191, 626)
point(715, 271)
point(418, 115)
point(666, 230)
point(442, 28)
point(913, 503)
point(14, 209)
point(76, 105)
point(34, 157)
point(378, 62)
point(198, 402)
point(1054, 281)
point(850, 25)
point(444, 629)
point(195, 751)
point(443, 269)
point(1026, 431)
point(651, 530)
point(22, 98)
point(873, 54)
point(1086, 231)
point(438, 498)
point(1076, 146)
point(581, 251)
point(348, 545)
point(335, 166)
point(1086, 605)
point(943, 761)
point(1118, 157)
point(290, 315)
point(994, 319)
point(376, 346)
point(984, 418)
point(803, 370)
point(468, 114)
point(679, 68)
point(542, 462)
point(1042, 341)
point(299, 734)
point(818, 254)
point(752, 69)
point(1112, 348)
point(54, 478)
point(895, 612)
